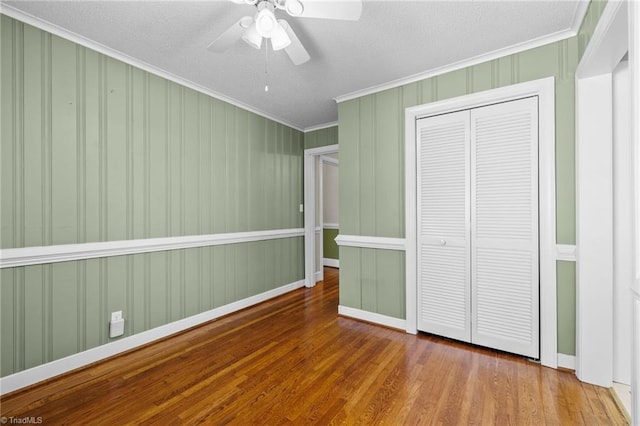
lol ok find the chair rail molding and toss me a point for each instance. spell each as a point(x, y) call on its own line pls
point(13, 257)
point(382, 243)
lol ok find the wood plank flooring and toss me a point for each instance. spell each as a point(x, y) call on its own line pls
point(294, 360)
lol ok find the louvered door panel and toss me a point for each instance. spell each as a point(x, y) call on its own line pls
point(504, 226)
point(443, 227)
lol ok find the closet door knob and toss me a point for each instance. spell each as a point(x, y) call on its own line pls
point(443, 242)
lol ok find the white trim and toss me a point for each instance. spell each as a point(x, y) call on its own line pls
point(320, 126)
point(567, 361)
point(10, 258)
point(318, 229)
point(566, 252)
point(371, 317)
point(54, 368)
point(113, 53)
point(578, 16)
point(544, 89)
point(594, 195)
point(382, 243)
point(319, 275)
point(623, 393)
point(517, 48)
point(331, 226)
point(330, 160)
point(333, 263)
point(634, 69)
point(608, 44)
point(310, 209)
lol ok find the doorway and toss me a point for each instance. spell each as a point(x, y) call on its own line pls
point(314, 159)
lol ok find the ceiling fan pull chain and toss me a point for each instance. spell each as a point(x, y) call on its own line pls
point(266, 60)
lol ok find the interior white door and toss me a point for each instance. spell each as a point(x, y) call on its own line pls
point(504, 227)
point(443, 199)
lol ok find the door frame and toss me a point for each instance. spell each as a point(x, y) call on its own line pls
point(545, 90)
point(311, 157)
point(616, 33)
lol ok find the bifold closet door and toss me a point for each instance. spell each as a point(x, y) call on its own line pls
point(504, 227)
point(443, 196)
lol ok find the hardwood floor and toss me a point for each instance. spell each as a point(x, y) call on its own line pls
point(293, 360)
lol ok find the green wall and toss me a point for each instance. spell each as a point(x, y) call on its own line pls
point(371, 134)
point(330, 248)
point(322, 137)
point(93, 149)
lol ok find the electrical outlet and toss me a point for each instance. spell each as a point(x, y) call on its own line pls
point(116, 325)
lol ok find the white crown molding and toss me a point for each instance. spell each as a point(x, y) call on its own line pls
point(320, 126)
point(372, 317)
point(105, 50)
point(51, 369)
point(516, 48)
point(566, 252)
point(383, 243)
point(579, 14)
point(327, 225)
point(10, 258)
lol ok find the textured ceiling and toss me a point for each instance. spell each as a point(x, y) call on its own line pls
point(392, 40)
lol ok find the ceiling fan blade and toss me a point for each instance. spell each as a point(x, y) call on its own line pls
point(296, 51)
point(231, 36)
point(348, 10)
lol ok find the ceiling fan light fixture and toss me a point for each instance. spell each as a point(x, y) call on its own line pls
point(294, 7)
point(252, 37)
point(266, 23)
point(279, 38)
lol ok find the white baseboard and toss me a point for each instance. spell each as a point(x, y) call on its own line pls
point(372, 317)
point(333, 263)
point(623, 392)
point(567, 361)
point(319, 276)
point(54, 368)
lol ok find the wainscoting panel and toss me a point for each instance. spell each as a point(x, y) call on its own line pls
point(55, 310)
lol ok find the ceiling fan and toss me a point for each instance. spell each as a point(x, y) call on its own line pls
point(264, 25)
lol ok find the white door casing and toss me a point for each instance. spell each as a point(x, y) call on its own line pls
point(594, 195)
point(622, 225)
point(311, 161)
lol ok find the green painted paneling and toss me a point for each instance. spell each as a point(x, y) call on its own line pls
point(93, 149)
point(96, 150)
point(50, 311)
point(379, 275)
point(322, 137)
point(329, 247)
point(566, 273)
point(371, 135)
